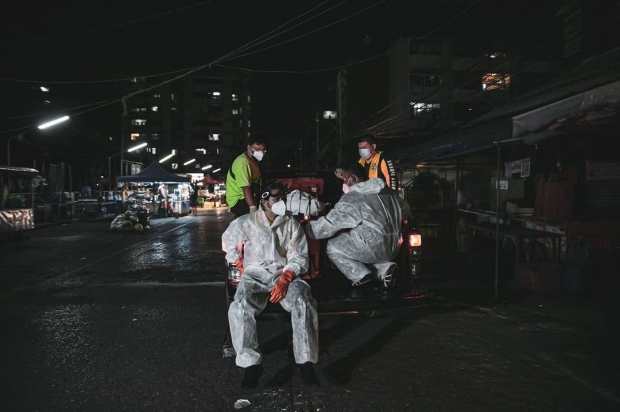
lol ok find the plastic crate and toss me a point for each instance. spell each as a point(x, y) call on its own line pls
point(539, 276)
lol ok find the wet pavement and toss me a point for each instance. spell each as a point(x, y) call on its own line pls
point(92, 320)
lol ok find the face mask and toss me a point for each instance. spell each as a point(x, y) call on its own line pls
point(258, 155)
point(365, 153)
point(279, 208)
point(345, 188)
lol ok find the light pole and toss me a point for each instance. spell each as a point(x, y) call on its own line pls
point(21, 135)
point(131, 149)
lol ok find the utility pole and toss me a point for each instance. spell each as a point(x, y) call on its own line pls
point(341, 85)
point(316, 159)
point(124, 102)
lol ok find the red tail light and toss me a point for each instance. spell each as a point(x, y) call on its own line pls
point(415, 240)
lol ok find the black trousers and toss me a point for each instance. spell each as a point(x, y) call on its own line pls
point(240, 208)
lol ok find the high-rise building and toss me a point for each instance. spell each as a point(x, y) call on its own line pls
point(437, 84)
point(204, 117)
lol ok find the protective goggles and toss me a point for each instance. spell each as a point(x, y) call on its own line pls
point(267, 192)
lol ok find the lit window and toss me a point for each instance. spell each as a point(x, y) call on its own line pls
point(138, 109)
point(241, 110)
point(154, 150)
point(138, 122)
point(157, 96)
point(424, 110)
point(214, 137)
point(154, 108)
point(46, 102)
point(151, 150)
point(135, 136)
point(248, 98)
point(240, 123)
point(45, 89)
point(173, 109)
point(235, 97)
point(494, 81)
point(328, 115)
point(204, 151)
point(216, 94)
point(235, 111)
point(174, 151)
point(155, 136)
point(171, 96)
point(248, 124)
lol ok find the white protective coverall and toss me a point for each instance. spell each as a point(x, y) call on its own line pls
point(269, 250)
point(372, 211)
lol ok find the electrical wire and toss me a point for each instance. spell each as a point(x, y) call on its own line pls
point(95, 81)
point(260, 39)
point(184, 74)
point(310, 32)
point(112, 26)
point(55, 111)
point(246, 46)
point(343, 65)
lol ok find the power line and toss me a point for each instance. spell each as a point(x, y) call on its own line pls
point(310, 32)
point(243, 48)
point(184, 74)
point(95, 81)
point(112, 26)
point(52, 112)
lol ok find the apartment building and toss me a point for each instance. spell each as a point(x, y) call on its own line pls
point(201, 120)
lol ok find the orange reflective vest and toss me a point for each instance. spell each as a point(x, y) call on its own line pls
point(382, 168)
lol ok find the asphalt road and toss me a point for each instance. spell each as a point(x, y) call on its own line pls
point(92, 320)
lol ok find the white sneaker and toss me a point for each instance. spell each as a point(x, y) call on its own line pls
point(386, 273)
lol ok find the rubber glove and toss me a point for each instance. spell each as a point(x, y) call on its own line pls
point(239, 264)
point(280, 288)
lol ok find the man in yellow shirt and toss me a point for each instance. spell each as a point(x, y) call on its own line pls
point(374, 163)
point(242, 174)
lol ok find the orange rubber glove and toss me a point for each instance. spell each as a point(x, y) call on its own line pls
point(239, 264)
point(281, 287)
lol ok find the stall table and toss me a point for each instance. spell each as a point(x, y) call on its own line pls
point(518, 234)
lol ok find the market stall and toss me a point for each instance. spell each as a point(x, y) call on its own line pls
point(169, 193)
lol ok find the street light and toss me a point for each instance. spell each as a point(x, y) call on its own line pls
point(140, 146)
point(53, 122)
point(216, 170)
point(207, 167)
point(166, 158)
point(189, 162)
point(21, 136)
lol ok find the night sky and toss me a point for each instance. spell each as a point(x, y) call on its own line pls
point(75, 41)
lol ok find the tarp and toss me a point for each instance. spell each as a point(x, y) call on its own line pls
point(536, 119)
point(457, 143)
point(153, 173)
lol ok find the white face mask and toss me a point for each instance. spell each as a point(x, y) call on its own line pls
point(365, 153)
point(258, 155)
point(279, 208)
point(345, 188)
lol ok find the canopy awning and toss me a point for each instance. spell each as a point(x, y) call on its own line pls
point(535, 120)
point(153, 173)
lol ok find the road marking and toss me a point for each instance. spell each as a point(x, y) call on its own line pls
point(118, 252)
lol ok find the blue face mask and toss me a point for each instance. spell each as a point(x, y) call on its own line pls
point(365, 153)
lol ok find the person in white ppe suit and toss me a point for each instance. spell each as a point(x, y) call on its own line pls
point(365, 224)
point(275, 254)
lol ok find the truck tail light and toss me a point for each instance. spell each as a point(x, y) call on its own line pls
point(415, 240)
